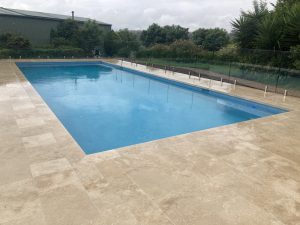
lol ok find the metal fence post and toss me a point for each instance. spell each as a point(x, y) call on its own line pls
point(277, 80)
point(229, 72)
point(266, 89)
point(284, 95)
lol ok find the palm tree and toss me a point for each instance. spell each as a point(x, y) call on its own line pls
point(270, 33)
point(245, 28)
point(280, 29)
point(292, 27)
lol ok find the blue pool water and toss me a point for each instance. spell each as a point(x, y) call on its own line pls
point(104, 106)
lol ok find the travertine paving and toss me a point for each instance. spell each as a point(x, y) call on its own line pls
point(246, 173)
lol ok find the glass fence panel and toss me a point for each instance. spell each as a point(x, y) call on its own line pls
point(252, 75)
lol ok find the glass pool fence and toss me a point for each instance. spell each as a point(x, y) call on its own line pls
point(273, 79)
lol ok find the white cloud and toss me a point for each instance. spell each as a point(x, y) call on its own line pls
point(139, 14)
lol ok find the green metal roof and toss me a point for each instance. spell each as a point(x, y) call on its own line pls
point(27, 13)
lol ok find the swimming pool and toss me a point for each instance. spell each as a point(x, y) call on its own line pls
point(104, 106)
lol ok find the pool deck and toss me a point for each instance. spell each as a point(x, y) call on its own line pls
point(241, 174)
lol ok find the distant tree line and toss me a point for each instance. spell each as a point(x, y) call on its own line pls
point(163, 41)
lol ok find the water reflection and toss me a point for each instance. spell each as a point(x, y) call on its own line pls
point(93, 73)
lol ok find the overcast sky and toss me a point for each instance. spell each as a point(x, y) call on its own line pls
point(139, 14)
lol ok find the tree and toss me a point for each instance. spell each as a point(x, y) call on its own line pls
point(183, 49)
point(90, 36)
point(280, 29)
point(291, 36)
point(269, 34)
point(156, 34)
point(159, 51)
point(198, 36)
point(153, 35)
point(216, 39)
point(284, 4)
point(66, 33)
point(211, 39)
point(87, 36)
point(174, 33)
point(295, 50)
point(128, 42)
point(245, 28)
point(14, 41)
point(111, 43)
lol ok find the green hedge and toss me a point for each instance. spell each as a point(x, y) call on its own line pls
point(282, 59)
point(43, 53)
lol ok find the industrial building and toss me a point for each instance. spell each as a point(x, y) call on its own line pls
point(36, 26)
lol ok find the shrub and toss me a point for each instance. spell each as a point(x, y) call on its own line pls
point(159, 51)
point(210, 39)
point(228, 53)
point(60, 41)
point(184, 49)
point(13, 41)
point(295, 56)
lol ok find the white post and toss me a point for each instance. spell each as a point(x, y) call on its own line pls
point(20, 57)
point(199, 76)
point(189, 74)
point(221, 81)
point(266, 88)
point(234, 84)
point(284, 95)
